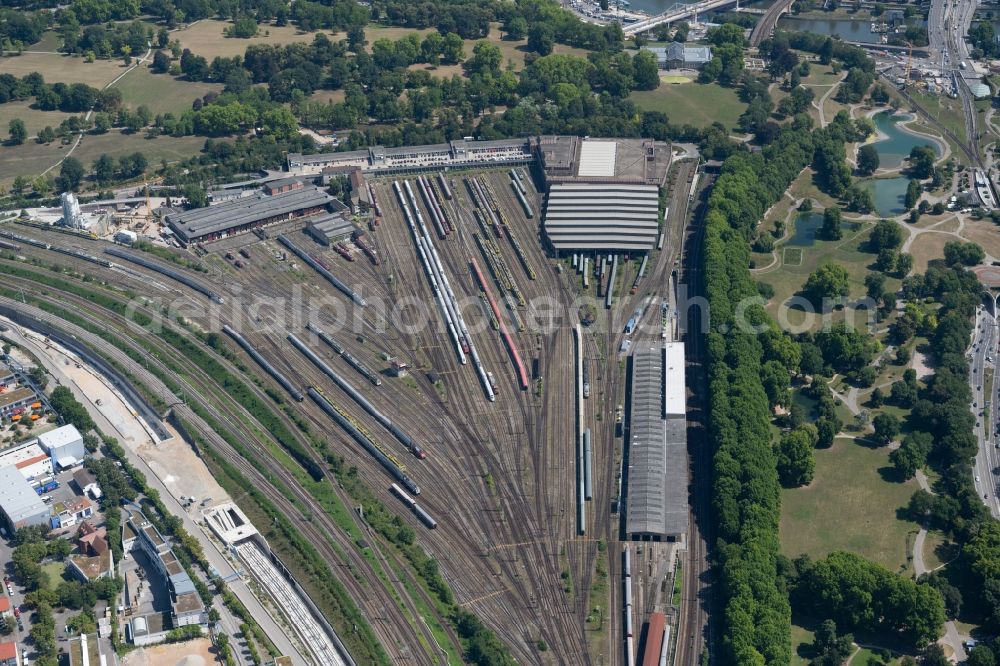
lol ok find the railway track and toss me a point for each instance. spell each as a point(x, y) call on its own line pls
point(498, 476)
point(321, 536)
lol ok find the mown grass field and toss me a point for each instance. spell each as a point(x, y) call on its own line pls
point(162, 93)
point(31, 159)
point(63, 68)
point(851, 505)
point(206, 39)
point(698, 104)
point(34, 119)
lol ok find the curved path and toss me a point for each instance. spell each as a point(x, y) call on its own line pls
point(79, 137)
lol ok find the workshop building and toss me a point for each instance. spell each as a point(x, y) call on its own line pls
point(19, 502)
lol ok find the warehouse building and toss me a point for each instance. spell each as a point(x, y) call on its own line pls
point(65, 445)
point(657, 480)
point(329, 229)
point(246, 213)
point(603, 194)
point(19, 502)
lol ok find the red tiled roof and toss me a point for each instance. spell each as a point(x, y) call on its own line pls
point(4, 604)
point(8, 650)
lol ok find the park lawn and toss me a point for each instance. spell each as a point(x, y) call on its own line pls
point(938, 550)
point(63, 68)
point(161, 93)
point(207, 39)
point(50, 41)
point(803, 187)
point(31, 159)
point(697, 104)
point(849, 506)
point(55, 571)
point(34, 120)
point(333, 96)
point(802, 640)
point(864, 655)
point(790, 275)
point(926, 247)
point(116, 144)
point(820, 75)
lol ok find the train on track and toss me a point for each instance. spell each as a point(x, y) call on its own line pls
point(322, 270)
point(374, 451)
point(412, 505)
point(164, 270)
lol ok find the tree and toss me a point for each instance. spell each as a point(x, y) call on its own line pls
point(981, 655)
point(794, 456)
point(281, 123)
point(104, 169)
point(886, 427)
point(829, 281)
point(541, 38)
point(831, 229)
point(868, 160)
point(646, 71)
point(516, 27)
point(922, 162)
point(71, 173)
point(18, 132)
point(831, 649)
point(161, 63)
point(886, 235)
point(913, 192)
point(875, 286)
point(966, 254)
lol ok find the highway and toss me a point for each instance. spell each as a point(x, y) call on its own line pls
point(947, 26)
point(982, 357)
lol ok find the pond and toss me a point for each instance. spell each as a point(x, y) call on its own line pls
point(894, 149)
point(850, 30)
point(889, 195)
point(808, 224)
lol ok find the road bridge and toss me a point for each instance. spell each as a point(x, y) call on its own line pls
point(678, 12)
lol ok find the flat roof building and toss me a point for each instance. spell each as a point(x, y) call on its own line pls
point(65, 445)
point(28, 458)
point(19, 502)
point(329, 228)
point(657, 481)
point(246, 213)
point(680, 56)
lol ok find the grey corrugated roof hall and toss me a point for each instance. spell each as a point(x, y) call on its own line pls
point(192, 224)
point(657, 481)
point(611, 216)
point(20, 503)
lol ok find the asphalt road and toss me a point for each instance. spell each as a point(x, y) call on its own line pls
point(982, 358)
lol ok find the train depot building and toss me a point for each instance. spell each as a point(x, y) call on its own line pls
point(657, 479)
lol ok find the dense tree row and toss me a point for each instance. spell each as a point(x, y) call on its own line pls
point(746, 489)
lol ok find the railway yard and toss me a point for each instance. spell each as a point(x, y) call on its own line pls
point(443, 362)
